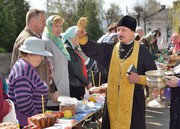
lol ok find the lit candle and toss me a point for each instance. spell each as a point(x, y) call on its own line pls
point(83, 100)
point(42, 104)
point(99, 78)
point(93, 83)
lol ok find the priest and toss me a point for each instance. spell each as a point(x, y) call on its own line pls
point(125, 100)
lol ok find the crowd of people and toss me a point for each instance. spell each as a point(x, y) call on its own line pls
point(46, 65)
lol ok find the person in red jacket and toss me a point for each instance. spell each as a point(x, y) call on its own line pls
point(5, 106)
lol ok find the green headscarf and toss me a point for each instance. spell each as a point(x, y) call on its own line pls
point(48, 32)
point(5, 86)
point(149, 37)
point(70, 33)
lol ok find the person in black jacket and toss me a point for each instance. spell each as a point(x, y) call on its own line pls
point(174, 83)
point(77, 70)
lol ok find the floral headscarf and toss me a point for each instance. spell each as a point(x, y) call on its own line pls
point(48, 32)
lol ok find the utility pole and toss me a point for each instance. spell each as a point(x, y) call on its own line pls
point(47, 6)
point(101, 9)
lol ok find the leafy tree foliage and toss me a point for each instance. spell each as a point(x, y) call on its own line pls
point(90, 9)
point(12, 15)
point(66, 9)
point(72, 10)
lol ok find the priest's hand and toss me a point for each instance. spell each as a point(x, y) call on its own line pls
point(81, 33)
point(133, 78)
point(89, 86)
point(172, 81)
point(100, 90)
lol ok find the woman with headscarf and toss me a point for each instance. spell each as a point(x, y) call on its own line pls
point(77, 71)
point(53, 43)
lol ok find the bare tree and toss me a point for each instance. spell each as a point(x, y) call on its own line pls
point(139, 10)
point(145, 11)
point(113, 14)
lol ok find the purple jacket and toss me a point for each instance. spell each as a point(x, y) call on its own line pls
point(25, 90)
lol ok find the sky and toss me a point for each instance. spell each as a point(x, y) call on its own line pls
point(41, 4)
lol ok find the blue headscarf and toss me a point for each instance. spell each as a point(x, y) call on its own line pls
point(70, 33)
point(48, 32)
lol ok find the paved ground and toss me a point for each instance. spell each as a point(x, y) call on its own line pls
point(157, 118)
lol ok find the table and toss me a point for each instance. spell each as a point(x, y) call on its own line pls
point(78, 118)
point(85, 115)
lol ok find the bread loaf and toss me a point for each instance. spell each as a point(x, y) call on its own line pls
point(8, 125)
point(43, 120)
point(71, 107)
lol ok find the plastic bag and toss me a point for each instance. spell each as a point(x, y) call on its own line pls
point(68, 103)
point(11, 116)
point(94, 97)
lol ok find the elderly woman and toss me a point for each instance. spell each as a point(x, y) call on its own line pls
point(26, 87)
point(52, 31)
point(77, 70)
point(175, 39)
